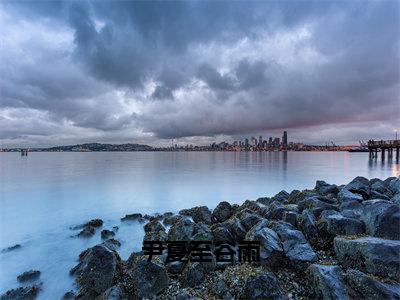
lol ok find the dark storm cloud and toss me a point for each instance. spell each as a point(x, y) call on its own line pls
point(184, 69)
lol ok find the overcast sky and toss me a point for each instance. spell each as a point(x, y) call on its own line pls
point(147, 72)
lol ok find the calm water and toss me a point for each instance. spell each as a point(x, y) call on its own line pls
point(42, 195)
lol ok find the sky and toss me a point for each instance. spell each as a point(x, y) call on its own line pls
point(198, 71)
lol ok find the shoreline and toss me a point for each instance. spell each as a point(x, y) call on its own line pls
point(306, 238)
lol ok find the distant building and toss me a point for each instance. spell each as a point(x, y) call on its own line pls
point(260, 140)
point(246, 143)
point(270, 141)
point(284, 139)
point(277, 142)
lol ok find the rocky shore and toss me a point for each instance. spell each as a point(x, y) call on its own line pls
point(330, 242)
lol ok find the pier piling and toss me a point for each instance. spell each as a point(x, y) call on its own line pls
point(389, 145)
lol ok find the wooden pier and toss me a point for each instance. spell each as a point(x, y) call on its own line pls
point(383, 146)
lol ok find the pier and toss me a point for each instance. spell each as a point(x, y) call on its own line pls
point(383, 146)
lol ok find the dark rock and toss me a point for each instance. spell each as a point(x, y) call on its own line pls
point(115, 228)
point(382, 218)
point(255, 207)
point(87, 231)
point(149, 279)
point(97, 269)
point(369, 254)
point(219, 288)
point(182, 230)
point(29, 275)
point(396, 199)
point(324, 188)
point(316, 204)
point(380, 187)
point(295, 245)
point(92, 223)
point(11, 248)
point(222, 212)
point(175, 267)
point(332, 223)
point(236, 229)
point(169, 221)
point(248, 218)
point(282, 197)
point(351, 209)
point(367, 287)
point(275, 211)
point(271, 252)
point(308, 226)
point(70, 295)
point(345, 195)
point(264, 286)
point(296, 196)
point(155, 236)
point(153, 226)
point(291, 217)
point(112, 244)
point(199, 214)
point(194, 275)
point(106, 234)
point(221, 234)
point(359, 185)
point(22, 293)
point(327, 282)
point(201, 232)
point(132, 217)
point(113, 293)
point(394, 185)
point(265, 201)
point(377, 195)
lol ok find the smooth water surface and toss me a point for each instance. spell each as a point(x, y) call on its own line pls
point(42, 195)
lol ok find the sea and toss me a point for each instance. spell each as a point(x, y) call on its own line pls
point(44, 194)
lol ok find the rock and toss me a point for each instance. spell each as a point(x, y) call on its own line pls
point(271, 251)
point(236, 229)
point(275, 211)
point(324, 188)
point(22, 293)
point(345, 195)
point(194, 275)
point(327, 282)
point(332, 223)
point(199, 214)
point(70, 295)
point(396, 199)
point(112, 244)
point(369, 254)
point(265, 286)
point(317, 204)
point(367, 287)
point(175, 267)
point(169, 221)
point(98, 267)
point(11, 248)
point(106, 234)
point(149, 279)
point(222, 212)
point(382, 218)
point(182, 230)
point(113, 293)
point(201, 232)
point(221, 234)
point(248, 218)
point(87, 231)
point(282, 197)
point(394, 185)
point(132, 217)
point(153, 226)
point(308, 226)
point(290, 217)
point(92, 223)
point(359, 185)
point(380, 187)
point(295, 245)
point(29, 275)
point(351, 209)
point(155, 236)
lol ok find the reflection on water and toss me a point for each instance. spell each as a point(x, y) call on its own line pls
point(42, 195)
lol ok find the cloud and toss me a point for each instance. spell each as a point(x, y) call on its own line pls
point(197, 70)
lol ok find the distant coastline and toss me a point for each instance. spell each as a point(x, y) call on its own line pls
point(99, 147)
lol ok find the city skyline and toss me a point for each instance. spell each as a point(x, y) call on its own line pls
point(198, 72)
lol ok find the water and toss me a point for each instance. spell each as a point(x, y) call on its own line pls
point(42, 195)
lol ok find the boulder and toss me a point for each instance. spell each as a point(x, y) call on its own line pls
point(317, 204)
point(295, 245)
point(265, 286)
point(221, 234)
point(359, 185)
point(182, 230)
point(22, 293)
point(324, 188)
point(28, 275)
point(282, 197)
point(351, 209)
point(380, 187)
point(369, 254)
point(290, 217)
point(149, 279)
point(132, 217)
point(222, 212)
point(199, 214)
point(70, 295)
point(153, 226)
point(194, 274)
point(11, 248)
point(115, 292)
point(275, 211)
point(112, 244)
point(106, 234)
point(98, 267)
point(308, 225)
point(327, 282)
point(367, 287)
point(201, 232)
point(248, 218)
point(271, 251)
point(332, 223)
point(382, 218)
point(236, 228)
point(394, 185)
point(87, 231)
point(345, 195)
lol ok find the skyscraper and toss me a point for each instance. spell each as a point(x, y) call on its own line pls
point(284, 139)
point(260, 141)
